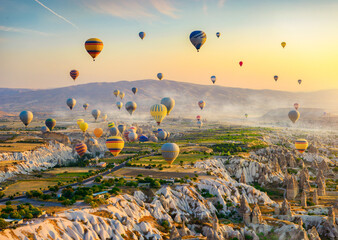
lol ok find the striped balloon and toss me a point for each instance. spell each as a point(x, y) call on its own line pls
point(126, 134)
point(301, 145)
point(74, 74)
point(158, 112)
point(81, 149)
point(201, 104)
point(94, 47)
point(115, 145)
point(198, 38)
point(111, 125)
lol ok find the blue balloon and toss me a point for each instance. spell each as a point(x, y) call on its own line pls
point(142, 35)
point(143, 138)
point(198, 38)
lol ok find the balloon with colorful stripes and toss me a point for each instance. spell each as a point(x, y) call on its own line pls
point(301, 145)
point(74, 74)
point(198, 38)
point(94, 47)
point(158, 112)
point(115, 145)
point(50, 123)
point(81, 148)
point(201, 104)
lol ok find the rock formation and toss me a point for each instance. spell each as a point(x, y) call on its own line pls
point(291, 188)
point(243, 179)
point(313, 234)
point(321, 188)
point(315, 197)
point(304, 177)
point(331, 216)
point(256, 215)
point(303, 199)
point(286, 209)
point(245, 210)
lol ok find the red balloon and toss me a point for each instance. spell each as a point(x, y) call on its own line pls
point(240, 63)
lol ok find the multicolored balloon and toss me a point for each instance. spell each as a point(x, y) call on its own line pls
point(296, 105)
point(134, 90)
point(115, 145)
point(132, 136)
point(94, 47)
point(26, 117)
point(114, 131)
point(116, 92)
point(198, 117)
point(160, 76)
point(294, 115)
point(85, 106)
point(170, 152)
point(104, 117)
point(142, 35)
point(119, 105)
point(121, 128)
point(50, 123)
point(301, 145)
point(96, 113)
point(71, 103)
point(121, 95)
point(74, 74)
point(299, 81)
point(169, 103)
point(213, 79)
point(158, 112)
point(81, 149)
point(44, 129)
point(199, 123)
point(198, 38)
point(131, 107)
point(218, 34)
point(275, 77)
point(201, 104)
point(111, 124)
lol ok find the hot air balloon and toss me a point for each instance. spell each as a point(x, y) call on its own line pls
point(121, 128)
point(44, 129)
point(294, 115)
point(133, 128)
point(50, 123)
point(96, 113)
point(276, 78)
point(111, 124)
point(104, 117)
point(169, 103)
point(213, 79)
point(114, 131)
point(115, 145)
point(116, 92)
point(142, 35)
point(81, 149)
point(125, 134)
point(134, 90)
point(132, 136)
point(299, 81)
point(84, 126)
point(198, 117)
point(74, 74)
point(201, 104)
point(160, 76)
point(296, 105)
point(94, 47)
point(162, 135)
point(26, 117)
point(170, 152)
point(218, 34)
point(143, 138)
point(246, 115)
point(131, 107)
point(301, 145)
point(240, 63)
point(93, 141)
point(199, 123)
point(79, 121)
point(119, 105)
point(198, 38)
point(158, 112)
point(283, 44)
point(85, 106)
point(153, 138)
point(121, 95)
point(71, 103)
point(98, 132)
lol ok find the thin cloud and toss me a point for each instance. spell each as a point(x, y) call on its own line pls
point(22, 30)
point(221, 3)
point(133, 9)
point(59, 16)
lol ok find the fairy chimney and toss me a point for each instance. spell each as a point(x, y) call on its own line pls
point(286, 209)
point(291, 188)
point(331, 216)
point(321, 188)
point(313, 234)
point(315, 196)
point(245, 210)
point(243, 178)
point(256, 215)
point(303, 199)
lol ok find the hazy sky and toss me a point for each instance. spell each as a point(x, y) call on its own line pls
point(41, 41)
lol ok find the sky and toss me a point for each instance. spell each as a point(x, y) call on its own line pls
point(42, 40)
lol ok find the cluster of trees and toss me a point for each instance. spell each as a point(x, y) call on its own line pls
point(227, 149)
point(27, 211)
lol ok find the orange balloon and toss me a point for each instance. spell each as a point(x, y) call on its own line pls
point(98, 132)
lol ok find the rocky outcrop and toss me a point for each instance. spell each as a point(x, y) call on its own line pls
point(291, 188)
point(315, 197)
point(303, 199)
point(286, 210)
point(313, 234)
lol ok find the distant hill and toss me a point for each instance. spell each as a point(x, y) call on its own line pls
point(220, 101)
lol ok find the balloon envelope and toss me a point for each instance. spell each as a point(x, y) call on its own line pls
point(94, 47)
point(275, 77)
point(26, 117)
point(84, 126)
point(158, 112)
point(296, 105)
point(170, 152)
point(131, 107)
point(294, 115)
point(85, 106)
point(44, 129)
point(134, 90)
point(79, 121)
point(96, 113)
point(114, 131)
point(160, 76)
point(213, 79)
point(121, 128)
point(104, 117)
point(116, 92)
point(119, 105)
point(143, 138)
point(142, 35)
point(201, 104)
point(198, 38)
point(169, 103)
point(98, 132)
point(81, 149)
point(132, 136)
point(283, 44)
point(115, 145)
point(162, 135)
point(50, 123)
point(74, 74)
point(121, 95)
point(241, 63)
point(301, 145)
point(299, 81)
point(199, 123)
point(111, 124)
point(218, 34)
point(71, 103)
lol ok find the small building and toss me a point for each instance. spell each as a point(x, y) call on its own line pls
point(13, 221)
point(147, 185)
point(99, 193)
point(101, 164)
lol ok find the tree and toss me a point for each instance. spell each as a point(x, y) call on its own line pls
point(157, 184)
point(15, 215)
point(3, 223)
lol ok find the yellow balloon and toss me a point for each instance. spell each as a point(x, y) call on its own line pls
point(158, 112)
point(301, 145)
point(283, 44)
point(98, 132)
point(84, 126)
point(79, 121)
